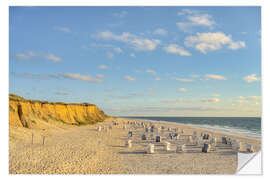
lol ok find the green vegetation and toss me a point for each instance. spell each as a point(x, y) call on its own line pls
point(14, 97)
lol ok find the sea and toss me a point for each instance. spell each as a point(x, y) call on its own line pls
point(241, 126)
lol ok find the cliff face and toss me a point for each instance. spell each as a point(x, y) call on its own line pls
point(27, 113)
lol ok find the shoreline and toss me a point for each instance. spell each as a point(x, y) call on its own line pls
point(101, 149)
point(197, 126)
point(250, 140)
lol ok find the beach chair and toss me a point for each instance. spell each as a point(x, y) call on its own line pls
point(190, 140)
point(224, 140)
point(167, 146)
point(182, 131)
point(170, 136)
point(176, 136)
point(150, 149)
point(206, 148)
point(250, 148)
point(129, 143)
point(158, 139)
point(205, 136)
point(130, 134)
point(151, 136)
point(146, 129)
point(181, 148)
point(242, 147)
point(143, 137)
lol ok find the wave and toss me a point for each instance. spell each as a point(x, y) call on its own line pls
point(253, 132)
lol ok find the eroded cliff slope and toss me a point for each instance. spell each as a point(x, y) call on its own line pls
point(31, 113)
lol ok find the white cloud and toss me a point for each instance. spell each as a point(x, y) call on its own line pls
point(214, 76)
point(181, 90)
point(175, 49)
point(210, 100)
point(184, 12)
point(151, 71)
point(100, 76)
point(102, 67)
point(237, 45)
point(161, 32)
point(132, 55)
point(157, 79)
point(25, 56)
point(30, 54)
point(36, 76)
point(129, 78)
point(248, 99)
point(194, 19)
point(194, 75)
point(206, 42)
point(62, 29)
point(22, 56)
point(53, 57)
point(118, 50)
point(251, 78)
point(120, 14)
point(110, 55)
point(183, 80)
point(216, 95)
point(86, 78)
point(138, 43)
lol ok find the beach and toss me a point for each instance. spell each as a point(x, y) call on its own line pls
point(101, 149)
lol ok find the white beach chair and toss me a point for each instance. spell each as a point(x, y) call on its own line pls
point(235, 145)
point(182, 131)
point(129, 143)
point(190, 139)
point(242, 147)
point(150, 149)
point(167, 146)
point(215, 141)
point(181, 148)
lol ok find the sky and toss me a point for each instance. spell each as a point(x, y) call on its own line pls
point(139, 61)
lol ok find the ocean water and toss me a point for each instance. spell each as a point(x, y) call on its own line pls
point(242, 126)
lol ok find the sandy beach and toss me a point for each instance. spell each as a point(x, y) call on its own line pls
point(84, 149)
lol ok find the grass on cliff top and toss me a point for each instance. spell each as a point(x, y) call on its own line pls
point(14, 97)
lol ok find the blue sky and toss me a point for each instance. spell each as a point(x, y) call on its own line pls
point(147, 61)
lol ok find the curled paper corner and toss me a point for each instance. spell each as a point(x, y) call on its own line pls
point(249, 164)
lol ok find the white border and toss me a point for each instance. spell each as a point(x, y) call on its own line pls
point(5, 71)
